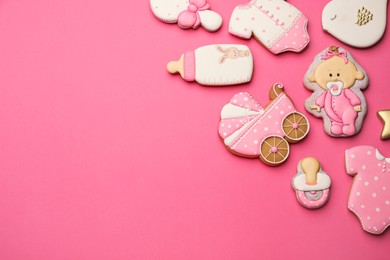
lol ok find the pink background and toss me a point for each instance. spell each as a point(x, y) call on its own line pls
point(105, 155)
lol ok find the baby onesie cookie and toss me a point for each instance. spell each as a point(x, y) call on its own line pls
point(311, 184)
point(359, 23)
point(250, 130)
point(337, 81)
point(187, 13)
point(384, 115)
point(219, 64)
point(369, 197)
point(276, 24)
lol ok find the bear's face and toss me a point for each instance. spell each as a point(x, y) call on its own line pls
point(335, 75)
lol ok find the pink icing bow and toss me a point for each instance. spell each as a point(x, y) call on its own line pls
point(190, 17)
point(329, 54)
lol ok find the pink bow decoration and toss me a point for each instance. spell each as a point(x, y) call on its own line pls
point(329, 54)
point(190, 17)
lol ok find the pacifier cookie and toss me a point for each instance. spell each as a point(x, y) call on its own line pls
point(215, 65)
point(359, 23)
point(276, 24)
point(311, 184)
point(252, 131)
point(369, 198)
point(186, 13)
point(337, 81)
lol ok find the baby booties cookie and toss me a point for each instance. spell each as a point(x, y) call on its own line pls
point(369, 198)
point(337, 81)
point(359, 23)
point(278, 25)
point(186, 13)
point(250, 130)
point(219, 64)
point(311, 184)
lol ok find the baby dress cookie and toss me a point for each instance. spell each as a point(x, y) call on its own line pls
point(186, 13)
point(359, 23)
point(250, 130)
point(312, 184)
point(337, 81)
point(369, 197)
point(278, 25)
point(219, 64)
point(384, 115)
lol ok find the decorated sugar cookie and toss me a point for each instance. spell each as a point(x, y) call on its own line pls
point(359, 23)
point(384, 115)
point(186, 13)
point(337, 81)
point(278, 25)
point(369, 198)
point(312, 184)
point(250, 130)
point(215, 65)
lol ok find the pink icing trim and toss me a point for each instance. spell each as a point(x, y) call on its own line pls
point(190, 17)
point(189, 66)
point(312, 204)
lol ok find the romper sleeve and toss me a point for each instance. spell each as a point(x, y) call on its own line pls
point(240, 23)
point(353, 98)
point(356, 157)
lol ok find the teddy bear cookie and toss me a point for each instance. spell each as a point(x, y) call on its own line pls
point(215, 65)
point(337, 81)
point(186, 13)
point(311, 184)
point(384, 115)
point(252, 131)
point(369, 198)
point(359, 23)
point(277, 25)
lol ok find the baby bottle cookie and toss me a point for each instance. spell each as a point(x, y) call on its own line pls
point(359, 23)
point(219, 64)
point(337, 81)
point(252, 131)
point(186, 13)
point(369, 198)
point(277, 25)
point(311, 184)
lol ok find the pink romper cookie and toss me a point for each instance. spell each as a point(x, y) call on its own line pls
point(312, 184)
point(278, 25)
point(337, 81)
point(250, 130)
point(369, 197)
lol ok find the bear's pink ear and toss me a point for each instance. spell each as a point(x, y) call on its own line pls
point(222, 59)
point(359, 75)
point(312, 78)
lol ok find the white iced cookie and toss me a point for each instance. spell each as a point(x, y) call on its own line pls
point(359, 23)
point(219, 64)
point(186, 13)
point(311, 184)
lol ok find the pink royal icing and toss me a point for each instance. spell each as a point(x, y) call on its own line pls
point(190, 17)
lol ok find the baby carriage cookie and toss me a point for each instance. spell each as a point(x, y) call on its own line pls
point(369, 198)
point(359, 23)
point(312, 185)
point(186, 13)
point(250, 130)
point(219, 64)
point(337, 81)
point(276, 24)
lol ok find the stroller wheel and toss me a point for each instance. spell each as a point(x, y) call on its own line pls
point(295, 127)
point(274, 150)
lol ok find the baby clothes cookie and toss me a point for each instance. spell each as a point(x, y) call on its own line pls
point(359, 23)
point(369, 197)
point(337, 81)
point(311, 184)
point(219, 64)
point(384, 115)
point(278, 25)
point(187, 13)
point(250, 130)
